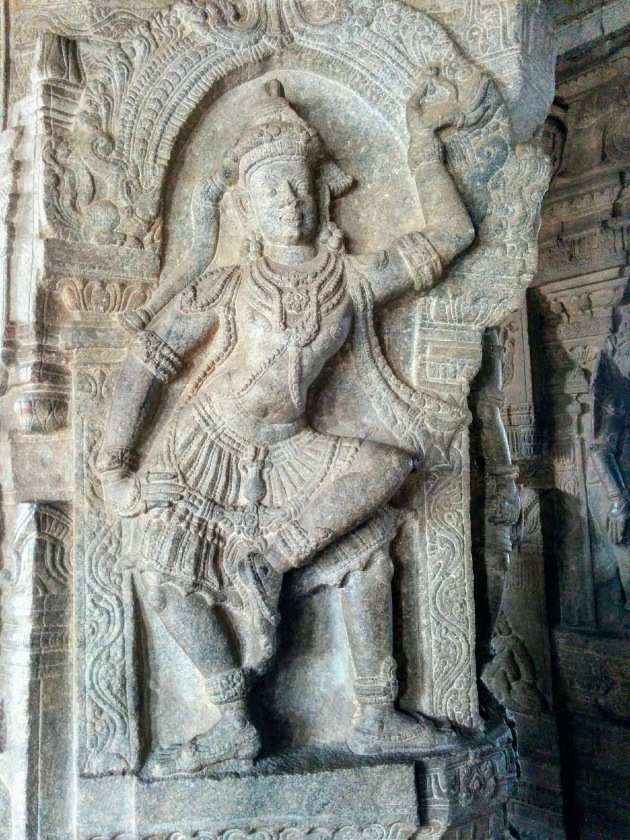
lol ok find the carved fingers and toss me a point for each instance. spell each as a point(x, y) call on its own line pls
point(440, 103)
point(162, 489)
point(132, 495)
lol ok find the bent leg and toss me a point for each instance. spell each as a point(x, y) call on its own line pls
point(377, 471)
point(198, 628)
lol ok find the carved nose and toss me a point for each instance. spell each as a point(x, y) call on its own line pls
point(287, 191)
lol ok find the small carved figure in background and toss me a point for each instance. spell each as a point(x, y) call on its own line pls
point(610, 454)
point(494, 490)
point(241, 489)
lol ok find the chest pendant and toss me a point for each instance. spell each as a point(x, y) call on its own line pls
point(295, 305)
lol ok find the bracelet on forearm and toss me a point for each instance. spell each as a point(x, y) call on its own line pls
point(422, 260)
point(295, 545)
point(156, 355)
point(427, 150)
point(121, 459)
point(490, 396)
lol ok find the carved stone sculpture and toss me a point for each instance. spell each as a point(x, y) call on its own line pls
point(610, 454)
point(262, 243)
point(243, 489)
point(496, 493)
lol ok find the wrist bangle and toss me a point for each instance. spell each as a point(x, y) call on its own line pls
point(427, 149)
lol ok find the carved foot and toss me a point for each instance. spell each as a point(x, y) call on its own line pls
point(230, 746)
point(382, 730)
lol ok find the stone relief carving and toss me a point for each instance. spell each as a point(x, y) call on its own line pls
point(395, 831)
point(242, 489)
point(269, 435)
point(512, 672)
point(611, 459)
point(524, 173)
point(36, 632)
point(496, 493)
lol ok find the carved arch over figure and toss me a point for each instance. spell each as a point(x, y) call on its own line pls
point(139, 97)
point(172, 62)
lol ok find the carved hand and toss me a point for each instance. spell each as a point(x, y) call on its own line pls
point(131, 495)
point(257, 582)
point(162, 488)
point(123, 496)
point(618, 519)
point(438, 103)
point(505, 503)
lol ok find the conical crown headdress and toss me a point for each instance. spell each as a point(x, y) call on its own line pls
point(273, 130)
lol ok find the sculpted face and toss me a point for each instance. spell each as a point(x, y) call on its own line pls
point(282, 197)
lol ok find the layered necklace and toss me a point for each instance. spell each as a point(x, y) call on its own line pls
point(294, 304)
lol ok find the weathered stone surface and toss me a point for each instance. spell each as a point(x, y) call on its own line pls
point(577, 325)
point(253, 254)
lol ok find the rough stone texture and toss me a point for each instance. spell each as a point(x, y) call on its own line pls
point(253, 254)
point(566, 414)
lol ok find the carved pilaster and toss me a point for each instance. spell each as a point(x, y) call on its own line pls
point(130, 112)
point(521, 673)
point(577, 316)
point(36, 668)
point(582, 276)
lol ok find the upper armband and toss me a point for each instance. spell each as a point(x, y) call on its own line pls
point(422, 260)
point(156, 355)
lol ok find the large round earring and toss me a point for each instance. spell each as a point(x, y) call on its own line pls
point(252, 248)
point(331, 237)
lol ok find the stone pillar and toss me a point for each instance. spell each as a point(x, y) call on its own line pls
point(581, 301)
point(36, 669)
point(521, 674)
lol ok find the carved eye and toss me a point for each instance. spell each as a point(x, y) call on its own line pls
point(272, 192)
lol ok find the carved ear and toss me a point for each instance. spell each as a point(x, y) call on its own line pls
point(333, 176)
point(242, 203)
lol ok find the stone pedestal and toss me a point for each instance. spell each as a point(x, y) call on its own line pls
point(325, 793)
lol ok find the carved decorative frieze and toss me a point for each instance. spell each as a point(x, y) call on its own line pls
point(395, 831)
